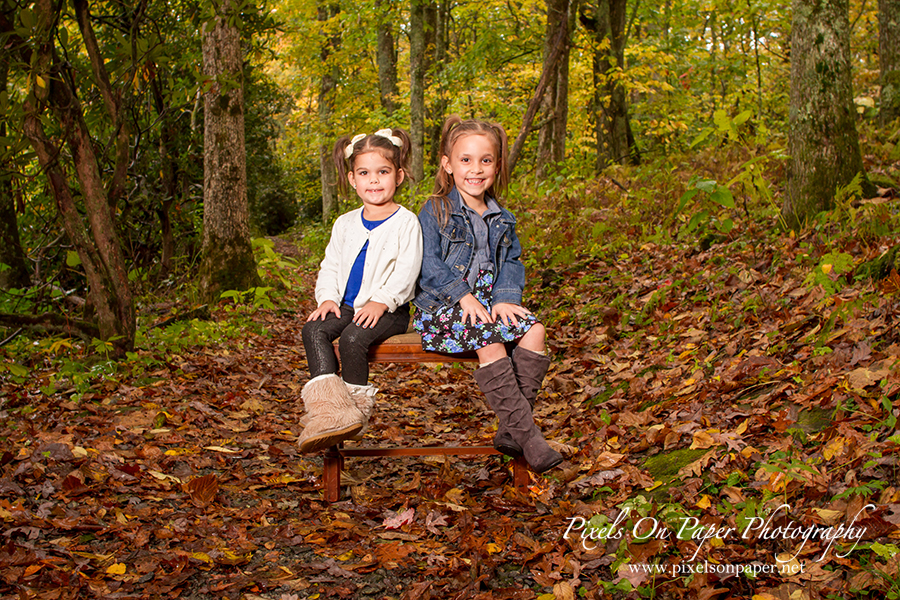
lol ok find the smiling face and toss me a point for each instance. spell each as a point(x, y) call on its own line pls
point(375, 179)
point(473, 165)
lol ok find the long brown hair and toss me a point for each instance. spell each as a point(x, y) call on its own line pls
point(455, 128)
point(398, 155)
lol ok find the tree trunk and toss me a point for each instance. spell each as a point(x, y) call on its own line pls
point(889, 54)
point(417, 48)
point(555, 103)
point(326, 113)
point(227, 257)
point(95, 241)
point(823, 142)
point(612, 127)
point(14, 272)
point(169, 174)
point(437, 110)
point(386, 57)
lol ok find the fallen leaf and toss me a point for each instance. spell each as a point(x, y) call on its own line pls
point(202, 489)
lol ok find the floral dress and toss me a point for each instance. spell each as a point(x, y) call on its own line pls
point(444, 330)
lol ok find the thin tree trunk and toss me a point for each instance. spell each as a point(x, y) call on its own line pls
point(823, 142)
point(112, 99)
point(417, 69)
point(554, 105)
point(531, 111)
point(437, 111)
point(170, 173)
point(15, 273)
point(95, 240)
point(386, 57)
point(227, 257)
point(612, 127)
point(326, 114)
point(889, 55)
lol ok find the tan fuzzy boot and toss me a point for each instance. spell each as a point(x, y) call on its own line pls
point(364, 398)
point(332, 414)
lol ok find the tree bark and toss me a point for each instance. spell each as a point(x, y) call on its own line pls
point(227, 257)
point(326, 113)
point(386, 57)
point(555, 103)
point(14, 273)
point(531, 111)
point(170, 172)
point(823, 142)
point(112, 98)
point(95, 240)
point(417, 68)
point(889, 55)
point(439, 107)
point(612, 126)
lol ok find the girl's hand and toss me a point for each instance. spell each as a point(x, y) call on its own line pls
point(369, 314)
point(474, 309)
point(329, 306)
point(509, 313)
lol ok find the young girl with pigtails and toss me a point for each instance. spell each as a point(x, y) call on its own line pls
point(470, 291)
point(365, 283)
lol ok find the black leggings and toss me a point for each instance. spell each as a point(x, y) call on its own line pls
point(354, 344)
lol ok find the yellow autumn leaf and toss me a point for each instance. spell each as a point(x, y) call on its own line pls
point(828, 516)
point(221, 449)
point(826, 268)
point(493, 548)
point(702, 440)
point(346, 555)
point(40, 81)
point(704, 502)
point(202, 556)
point(116, 569)
point(834, 448)
point(787, 564)
point(563, 591)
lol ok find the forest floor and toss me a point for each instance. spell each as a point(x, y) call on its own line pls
point(720, 411)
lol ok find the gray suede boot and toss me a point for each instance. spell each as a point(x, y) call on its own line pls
point(498, 382)
point(530, 368)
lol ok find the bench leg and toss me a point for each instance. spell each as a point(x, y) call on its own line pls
point(334, 462)
point(521, 478)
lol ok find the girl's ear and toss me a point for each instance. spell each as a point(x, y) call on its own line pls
point(401, 175)
point(352, 179)
point(445, 163)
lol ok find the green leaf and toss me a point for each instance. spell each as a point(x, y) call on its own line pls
point(702, 136)
point(725, 226)
point(684, 199)
point(722, 197)
point(707, 185)
point(72, 259)
point(743, 117)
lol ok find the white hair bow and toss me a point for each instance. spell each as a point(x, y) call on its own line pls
point(385, 133)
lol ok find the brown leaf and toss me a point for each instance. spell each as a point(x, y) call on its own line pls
point(202, 489)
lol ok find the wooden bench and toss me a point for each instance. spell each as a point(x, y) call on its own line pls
point(407, 348)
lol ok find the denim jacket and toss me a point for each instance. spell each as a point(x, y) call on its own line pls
point(448, 254)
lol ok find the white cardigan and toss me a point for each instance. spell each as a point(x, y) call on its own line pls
point(393, 260)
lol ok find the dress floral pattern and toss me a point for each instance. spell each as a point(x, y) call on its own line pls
point(444, 330)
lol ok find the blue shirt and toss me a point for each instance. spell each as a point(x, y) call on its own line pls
point(354, 283)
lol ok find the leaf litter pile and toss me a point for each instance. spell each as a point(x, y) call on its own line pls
point(721, 411)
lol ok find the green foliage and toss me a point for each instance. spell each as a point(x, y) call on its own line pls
point(710, 198)
point(830, 271)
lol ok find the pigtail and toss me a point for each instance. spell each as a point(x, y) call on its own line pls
point(404, 152)
point(342, 164)
point(501, 181)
